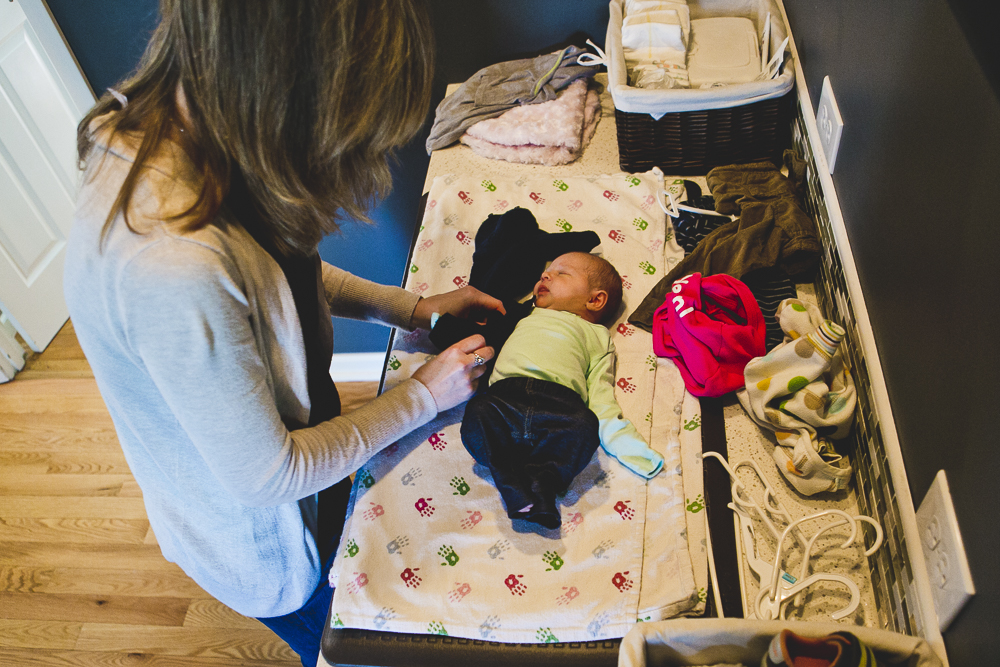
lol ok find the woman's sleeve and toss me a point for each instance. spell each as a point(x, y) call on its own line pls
point(188, 322)
point(359, 299)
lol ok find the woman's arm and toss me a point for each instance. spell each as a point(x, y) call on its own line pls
point(188, 323)
point(360, 299)
point(187, 320)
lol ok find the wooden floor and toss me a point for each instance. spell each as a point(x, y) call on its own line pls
point(82, 581)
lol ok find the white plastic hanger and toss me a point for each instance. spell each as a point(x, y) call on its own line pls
point(804, 568)
point(772, 609)
point(770, 601)
point(674, 209)
point(777, 585)
point(767, 607)
point(811, 517)
point(744, 506)
point(761, 567)
point(772, 507)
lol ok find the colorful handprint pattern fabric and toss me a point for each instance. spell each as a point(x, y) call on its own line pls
point(428, 547)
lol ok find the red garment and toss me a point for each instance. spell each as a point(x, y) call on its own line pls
point(711, 327)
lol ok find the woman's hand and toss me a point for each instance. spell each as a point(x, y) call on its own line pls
point(467, 302)
point(452, 376)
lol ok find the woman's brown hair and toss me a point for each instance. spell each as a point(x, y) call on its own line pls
point(304, 99)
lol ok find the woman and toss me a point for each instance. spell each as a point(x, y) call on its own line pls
point(198, 296)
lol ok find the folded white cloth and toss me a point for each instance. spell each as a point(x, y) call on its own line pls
point(550, 133)
point(658, 75)
point(676, 17)
point(639, 6)
point(661, 35)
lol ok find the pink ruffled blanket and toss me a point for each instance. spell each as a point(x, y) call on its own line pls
point(550, 133)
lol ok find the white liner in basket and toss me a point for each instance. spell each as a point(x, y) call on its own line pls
point(710, 641)
point(657, 103)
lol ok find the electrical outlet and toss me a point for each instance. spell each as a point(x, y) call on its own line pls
point(944, 552)
point(830, 123)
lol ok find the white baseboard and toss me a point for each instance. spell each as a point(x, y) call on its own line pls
point(12, 353)
point(357, 367)
point(7, 372)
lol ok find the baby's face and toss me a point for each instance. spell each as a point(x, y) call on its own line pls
point(565, 285)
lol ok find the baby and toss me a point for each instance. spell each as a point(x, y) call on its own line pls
point(551, 397)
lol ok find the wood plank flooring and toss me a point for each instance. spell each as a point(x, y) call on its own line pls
point(82, 581)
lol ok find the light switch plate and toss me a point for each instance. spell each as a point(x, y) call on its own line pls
point(944, 552)
point(830, 123)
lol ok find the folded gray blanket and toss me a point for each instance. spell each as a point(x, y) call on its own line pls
point(498, 88)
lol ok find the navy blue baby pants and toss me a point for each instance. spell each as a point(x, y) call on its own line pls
point(534, 437)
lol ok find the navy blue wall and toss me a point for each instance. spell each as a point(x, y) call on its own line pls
point(108, 38)
point(917, 180)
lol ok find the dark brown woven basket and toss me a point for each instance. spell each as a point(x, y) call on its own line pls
point(692, 142)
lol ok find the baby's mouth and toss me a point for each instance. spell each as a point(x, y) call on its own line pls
point(543, 290)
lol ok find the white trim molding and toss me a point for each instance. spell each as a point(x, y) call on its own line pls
point(12, 353)
point(357, 367)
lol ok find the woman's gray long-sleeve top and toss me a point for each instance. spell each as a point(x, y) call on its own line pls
point(196, 346)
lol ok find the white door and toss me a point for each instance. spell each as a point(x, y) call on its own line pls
point(43, 96)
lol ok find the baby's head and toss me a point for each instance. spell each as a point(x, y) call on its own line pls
point(580, 283)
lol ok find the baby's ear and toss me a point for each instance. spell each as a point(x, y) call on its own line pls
point(598, 299)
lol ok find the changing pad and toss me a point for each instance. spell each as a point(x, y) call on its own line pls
point(428, 547)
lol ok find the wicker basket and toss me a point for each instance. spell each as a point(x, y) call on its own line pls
point(687, 132)
point(692, 142)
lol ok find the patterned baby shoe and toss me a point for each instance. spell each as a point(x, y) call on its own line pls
point(841, 649)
